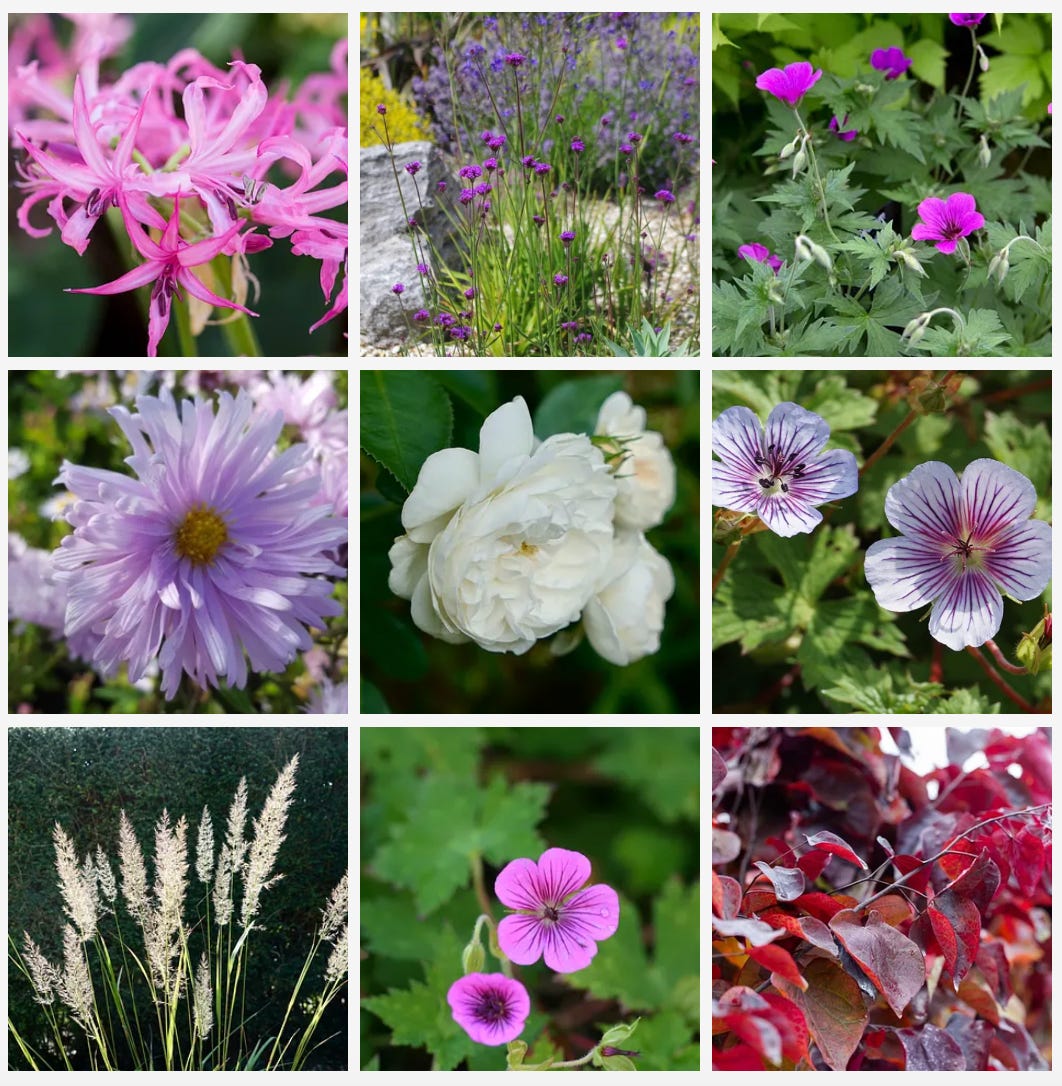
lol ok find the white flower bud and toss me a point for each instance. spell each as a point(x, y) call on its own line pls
point(800, 161)
point(916, 328)
point(911, 262)
point(984, 156)
point(789, 148)
point(983, 62)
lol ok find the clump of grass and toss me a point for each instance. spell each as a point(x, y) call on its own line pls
point(171, 994)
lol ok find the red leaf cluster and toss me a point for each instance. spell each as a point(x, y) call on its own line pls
point(876, 919)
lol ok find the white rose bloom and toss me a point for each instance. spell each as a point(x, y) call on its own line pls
point(646, 476)
point(624, 618)
point(505, 546)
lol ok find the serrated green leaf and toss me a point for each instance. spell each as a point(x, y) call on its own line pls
point(1008, 71)
point(431, 851)
point(676, 928)
point(405, 417)
point(718, 37)
point(665, 1043)
point(1020, 445)
point(753, 611)
point(901, 128)
point(572, 406)
point(873, 691)
point(965, 701)
point(928, 61)
point(1022, 36)
point(842, 407)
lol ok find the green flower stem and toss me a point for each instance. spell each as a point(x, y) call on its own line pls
point(182, 315)
point(237, 328)
point(814, 163)
point(568, 1065)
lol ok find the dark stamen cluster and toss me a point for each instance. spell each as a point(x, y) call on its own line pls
point(777, 466)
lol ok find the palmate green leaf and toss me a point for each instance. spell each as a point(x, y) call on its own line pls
point(623, 970)
point(661, 765)
point(965, 701)
point(754, 611)
point(873, 691)
point(842, 407)
point(822, 337)
point(736, 321)
point(903, 129)
point(405, 417)
point(928, 61)
point(1022, 446)
point(447, 823)
point(809, 563)
point(872, 259)
point(1009, 70)
point(829, 646)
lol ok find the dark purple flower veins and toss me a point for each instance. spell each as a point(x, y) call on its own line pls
point(777, 468)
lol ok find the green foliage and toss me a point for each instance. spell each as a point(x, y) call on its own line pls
point(910, 146)
point(434, 812)
point(649, 343)
point(571, 407)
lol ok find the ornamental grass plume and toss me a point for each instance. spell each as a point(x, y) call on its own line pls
point(213, 555)
point(191, 970)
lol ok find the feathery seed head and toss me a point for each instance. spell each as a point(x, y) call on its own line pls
point(134, 874)
point(80, 902)
point(335, 912)
point(268, 837)
point(204, 848)
point(105, 876)
point(45, 977)
point(337, 960)
point(223, 888)
point(234, 830)
point(203, 1000)
point(76, 985)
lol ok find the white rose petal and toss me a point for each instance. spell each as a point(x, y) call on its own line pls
point(624, 618)
point(646, 474)
point(517, 558)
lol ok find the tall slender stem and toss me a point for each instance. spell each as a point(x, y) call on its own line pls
point(727, 559)
point(990, 671)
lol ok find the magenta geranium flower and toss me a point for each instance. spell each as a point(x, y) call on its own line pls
point(761, 254)
point(960, 19)
point(962, 544)
point(215, 549)
point(791, 83)
point(891, 61)
point(945, 221)
point(780, 473)
point(490, 1007)
point(555, 918)
point(848, 135)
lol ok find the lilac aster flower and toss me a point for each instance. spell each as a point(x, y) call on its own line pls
point(963, 542)
point(761, 254)
point(490, 1007)
point(211, 552)
point(779, 473)
point(891, 61)
point(791, 83)
point(555, 918)
point(848, 135)
point(961, 19)
point(947, 221)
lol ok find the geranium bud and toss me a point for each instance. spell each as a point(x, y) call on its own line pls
point(911, 261)
point(984, 156)
point(800, 161)
point(473, 957)
point(789, 148)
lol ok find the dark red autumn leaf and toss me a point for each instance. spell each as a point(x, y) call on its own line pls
point(812, 863)
point(758, 898)
point(816, 933)
point(830, 842)
point(778, 919)
point(779, 961)
point(965, 921)
point(906, 864)
point(738, 1058)
point(833, 1009)
point(995, 968)
point(946, 938)
point(718, 769)
point(889, 958)
point(789, 1019)
point(974, 1037)
point(762, 1036)
point(931, 1049)
point(894, 909)
point(788, 882)
point(822, 906)
point(726, 896)
point(1028, 856)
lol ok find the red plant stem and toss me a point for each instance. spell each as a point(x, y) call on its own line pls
point(1002, 683)
point(936, 668)
point(727, 559)
point(1004, 663)
point(1019, 390)
point(945, 851)
point(884, 447)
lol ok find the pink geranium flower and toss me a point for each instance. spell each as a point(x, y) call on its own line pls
point(761, 254)
point(167, 264)
point(490, 1007)
point(791, 83)
point(555, 919)
point(961, 19)
point(848, 135)
point(945, 221)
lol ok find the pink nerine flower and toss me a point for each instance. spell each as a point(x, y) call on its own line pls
point(946, 221)
point(555, 919)
point(167, 264)
point(791, 83)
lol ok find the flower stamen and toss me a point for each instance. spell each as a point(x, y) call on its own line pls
point(200, 535)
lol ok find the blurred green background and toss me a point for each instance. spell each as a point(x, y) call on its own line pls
point(408, 671)
point(84, 777)
point(626, 798)
point(42, 320)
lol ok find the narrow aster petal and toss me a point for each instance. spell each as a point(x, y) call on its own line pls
point(926, 504)
point(969, 612)
point(138, 277)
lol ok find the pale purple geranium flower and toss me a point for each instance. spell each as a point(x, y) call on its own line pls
point(779, 473)
point(945, 221)
point(966, 19)
point(215, 549)
point(791, 83)
point(963, 543)
point(761, 254)
point(490, 1007)
point(891, 61)
point(556, 919)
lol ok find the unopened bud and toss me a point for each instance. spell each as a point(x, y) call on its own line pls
point(999, 266)
point(800, 161)
point(473, 958)
point(806, 249)
point(916, 328)
point(983, 62)
point(789, 148)
point(984, 156)
point(911, 262)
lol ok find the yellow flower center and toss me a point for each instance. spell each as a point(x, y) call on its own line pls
point(200, 535)
point(528, 548)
